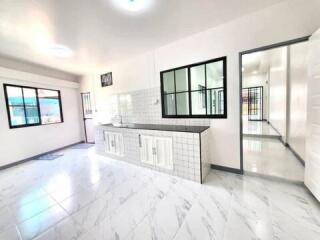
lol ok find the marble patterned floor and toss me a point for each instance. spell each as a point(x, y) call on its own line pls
point(258, 128)
point(84, 196)
point(271, 158)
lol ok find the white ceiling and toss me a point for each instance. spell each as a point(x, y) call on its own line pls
point(99, 32)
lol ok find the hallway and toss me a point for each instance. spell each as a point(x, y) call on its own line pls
point(270, 157)
point(258, 128)
point(274, 111)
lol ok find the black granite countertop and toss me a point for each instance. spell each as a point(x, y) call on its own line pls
point(161, 127)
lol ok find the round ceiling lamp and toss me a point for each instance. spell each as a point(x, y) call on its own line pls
point(133, 5)
point(59, 50)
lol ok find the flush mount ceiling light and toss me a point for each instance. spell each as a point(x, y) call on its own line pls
point(58, 50)
point(133, 5)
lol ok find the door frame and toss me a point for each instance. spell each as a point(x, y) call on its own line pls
point(259, 49)
point(83, 115)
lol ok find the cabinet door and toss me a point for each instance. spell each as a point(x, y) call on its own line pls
point(118, 144)
point(107, 142)
point(163, 156)
point(147, 149)
point(112, 143)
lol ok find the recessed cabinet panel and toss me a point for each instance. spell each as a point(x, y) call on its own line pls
point(146, 149)
point(163, 156)
point(114, 143)
point(156, 151)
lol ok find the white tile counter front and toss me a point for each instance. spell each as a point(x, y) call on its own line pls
point(184, 154)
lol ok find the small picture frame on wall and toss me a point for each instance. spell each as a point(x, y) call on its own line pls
point(106, 79)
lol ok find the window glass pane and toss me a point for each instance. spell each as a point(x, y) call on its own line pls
point(31, 105)
point(30, 97)
point(183, 103)
point(14, 95)
point(197, 77)
point(44, 93)
point(211, 101)
point(215, 74)
point(198, 99)
point(49, 106)
point(199, 85)
point(220, 102)
point(182, 80)
point(168, 82)
point(16, 107)
point(32, 115)
point(215, 101)
point(170, 104)
point(17, 116)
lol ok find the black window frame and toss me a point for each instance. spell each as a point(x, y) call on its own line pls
point(189, 91)
point(5, 85)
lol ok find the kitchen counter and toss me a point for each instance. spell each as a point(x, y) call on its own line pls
point(181, 151)
point(162, 127)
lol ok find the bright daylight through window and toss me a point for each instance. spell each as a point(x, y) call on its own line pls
point(28, 106)
point(195, 91)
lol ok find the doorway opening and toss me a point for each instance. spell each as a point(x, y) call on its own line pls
point(87, 117)
point(273, 103)
point(252, 103)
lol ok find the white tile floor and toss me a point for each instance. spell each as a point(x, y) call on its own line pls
point(270, 157)
point(85, 196)
point(258, 128)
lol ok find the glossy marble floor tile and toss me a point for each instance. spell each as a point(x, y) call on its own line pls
point(85, 196)
point(258, 128)
point(271, 158)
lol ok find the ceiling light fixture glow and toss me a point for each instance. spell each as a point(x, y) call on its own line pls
point(133, 5)
point(58, 50)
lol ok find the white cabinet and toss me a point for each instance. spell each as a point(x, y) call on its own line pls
point(163, 152)
point(113, 143)
point(146, 149)
point(156, 151)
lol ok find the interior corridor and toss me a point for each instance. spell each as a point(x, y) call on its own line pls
point(268, 156)
point(259, 128)
point(274, 112)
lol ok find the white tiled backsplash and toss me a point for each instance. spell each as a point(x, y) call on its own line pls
point(144, 106)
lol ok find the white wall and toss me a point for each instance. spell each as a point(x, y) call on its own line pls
point(278, 92)
point(281, 22)
point(258, 80)
point(298, 98)
point(21, 143)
